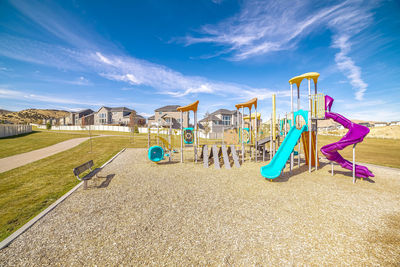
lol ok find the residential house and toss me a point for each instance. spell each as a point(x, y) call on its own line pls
point(117, 115)
point(167, 115)
point(395, 123)
point(221, 119)
point(366, 124)
point(380, 124)
point(82, 113)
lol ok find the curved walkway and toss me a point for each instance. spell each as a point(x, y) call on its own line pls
point(19, 160)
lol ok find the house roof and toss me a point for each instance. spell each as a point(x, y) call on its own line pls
point(84, 110)
point(224, 111)
point(116, 109)
point(168, 108)
point(151, 117)
point(210, 118)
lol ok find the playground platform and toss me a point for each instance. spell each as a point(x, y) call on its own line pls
point(185, 214)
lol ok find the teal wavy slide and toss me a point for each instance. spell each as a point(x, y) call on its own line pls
point(275, 167)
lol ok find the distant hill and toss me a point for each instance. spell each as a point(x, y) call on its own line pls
point(3, 111)
point(31, 115)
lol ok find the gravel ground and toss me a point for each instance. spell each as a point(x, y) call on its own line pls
point(184, 214)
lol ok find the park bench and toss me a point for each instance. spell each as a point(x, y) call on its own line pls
point(84, 167)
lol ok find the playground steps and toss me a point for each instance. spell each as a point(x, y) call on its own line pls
point(219, 155)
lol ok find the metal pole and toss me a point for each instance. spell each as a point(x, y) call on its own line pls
point(242, 122)
point(256, 135)
point(291, 110)
point(181, 136)
point(309, 126)
point(332, 167)
point(250, 133)
point(298, 108)
point(270, 140)
point(170, 138)
point(316, 144)
point(354, 163)
point(195, 136)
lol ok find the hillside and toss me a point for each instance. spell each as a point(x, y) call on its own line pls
point(32, 115)
point(3, 111)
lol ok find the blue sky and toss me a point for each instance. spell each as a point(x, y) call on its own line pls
point(147, 54)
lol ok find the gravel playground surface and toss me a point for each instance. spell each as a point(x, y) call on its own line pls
point(184, 214)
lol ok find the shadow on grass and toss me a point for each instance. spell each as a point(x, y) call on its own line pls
point(19, 135)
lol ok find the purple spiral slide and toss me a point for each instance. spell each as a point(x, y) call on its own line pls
point(355, 135)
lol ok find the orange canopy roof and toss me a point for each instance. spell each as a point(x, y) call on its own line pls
point(192, 106)
point(248, 104)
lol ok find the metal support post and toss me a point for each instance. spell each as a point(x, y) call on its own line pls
point(181, 137)
point(309, 126)
point(354, 163)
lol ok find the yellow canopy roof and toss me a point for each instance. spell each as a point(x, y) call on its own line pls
point(248, 104)
point(253, 116)
point(309, 75)
point(192, 106)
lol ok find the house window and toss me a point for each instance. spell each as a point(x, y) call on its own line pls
point(226, 120)
point(167, 120)
point(160, 112)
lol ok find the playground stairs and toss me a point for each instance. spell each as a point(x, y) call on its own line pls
point(219, 154)
point(305, 140)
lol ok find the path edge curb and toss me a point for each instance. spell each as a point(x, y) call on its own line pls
point(27, 225)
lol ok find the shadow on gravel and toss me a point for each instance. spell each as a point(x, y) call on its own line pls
point(349, 173)
point(168, 162)
point(107, 181)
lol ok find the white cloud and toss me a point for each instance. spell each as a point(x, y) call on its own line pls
point(348, 67)
point(20, 95)
point(146, 115)
point(263, 27)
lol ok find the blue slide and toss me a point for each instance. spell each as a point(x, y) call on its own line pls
point(275, 167)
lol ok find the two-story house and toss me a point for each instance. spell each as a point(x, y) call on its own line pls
point(221, 119)
point(118, 115)
point(79, 114)
point(168, 114)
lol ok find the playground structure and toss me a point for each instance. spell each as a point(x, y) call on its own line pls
point(237, 140)
point(303, 128)
point(319, 109)
point(189, 135)
point(156, 153)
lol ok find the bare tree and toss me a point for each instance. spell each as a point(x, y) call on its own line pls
point(132, 125)
point(83, 126)
point(206, 123)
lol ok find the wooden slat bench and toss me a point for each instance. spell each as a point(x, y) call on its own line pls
point(84, 167)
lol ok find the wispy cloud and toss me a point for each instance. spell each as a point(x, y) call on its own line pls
point(263, 27)
point(6, 93)
point(83, 56)
point(348, 67)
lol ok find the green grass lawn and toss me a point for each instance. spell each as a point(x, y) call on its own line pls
point(27, 190)
point(31, 141)
point(385, 152)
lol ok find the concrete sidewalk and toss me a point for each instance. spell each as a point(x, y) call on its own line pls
point(19, 160)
